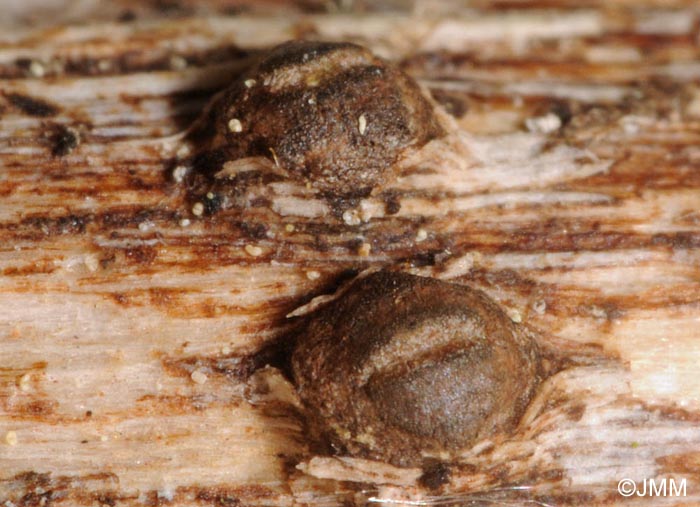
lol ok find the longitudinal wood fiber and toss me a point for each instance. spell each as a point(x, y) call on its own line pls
point(569, 192)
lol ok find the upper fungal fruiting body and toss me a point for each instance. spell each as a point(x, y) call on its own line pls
point(331, 115)
point(401, 367)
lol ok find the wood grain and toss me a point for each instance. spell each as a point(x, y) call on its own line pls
point(568, 190)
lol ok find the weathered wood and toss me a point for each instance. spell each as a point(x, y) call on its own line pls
point(569, 190)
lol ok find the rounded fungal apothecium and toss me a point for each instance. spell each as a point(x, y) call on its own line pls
point(331, 115)
point(400, 367)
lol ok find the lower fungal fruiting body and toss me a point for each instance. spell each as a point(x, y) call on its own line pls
point(401, 367)
point(329, 115)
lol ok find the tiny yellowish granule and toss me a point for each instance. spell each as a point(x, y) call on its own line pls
point(253, 251)
point(185, 222)
point(210, 195)
point(249, 83)
point(514, 315)
point(226, 350)
point(362, 124)
point(104, 438)
point(198, 209)
point(25, 382)
point(364, 250)
point(421, 235)
point(235, 125)
point(37, 69)
point(313, 275)
point(144, 226)
point(179, 173)
point(289, 228)
point(199, 377)
point(104, 65)
point(177, 62)
point(11, 438)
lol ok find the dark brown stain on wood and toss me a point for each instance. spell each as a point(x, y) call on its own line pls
point(32, 106)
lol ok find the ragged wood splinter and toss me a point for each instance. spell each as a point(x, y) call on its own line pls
point(329, 115)
point(401, 367)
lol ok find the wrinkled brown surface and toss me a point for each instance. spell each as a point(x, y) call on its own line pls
point(401, 367)
point(327, 114)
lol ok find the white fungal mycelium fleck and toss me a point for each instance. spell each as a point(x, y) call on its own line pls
point(351, 217)
point(253, 251)
point(362, 124)
point(313, 275)
point(37, 69)
point(179, 173)
point(198, 209)
point(235, 125)
point(11, 438)
point(199, 377)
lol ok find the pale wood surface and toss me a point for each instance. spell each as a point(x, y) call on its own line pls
point(569, 190)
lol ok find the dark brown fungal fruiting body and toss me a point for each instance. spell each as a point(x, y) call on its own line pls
point(400, 367)
point(329, 114)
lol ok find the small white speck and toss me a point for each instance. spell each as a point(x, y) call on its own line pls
point(540, 307)
point(166, 494)
point(235, 125)
point(25, 382)
point(198, 209)
point(210, 195)
point(145, 226)
point(364, 250)
point(312, 101)
point(313, 275)
point(183, 151)
point(515, 315)
point(362, 124)
point(249, 83)
point(37, 69)
point(92, 263)
point(104, 65)
point(253, 251)
point(421, 235)
point(177, 62)
point(199, 377)
point(544, 124)
point(179, 173)
point(11, 438)
point(598, 312)
point(185, 222)
point(289, 228)
point(104, 438)
point(351, 217)
point(226, 350)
